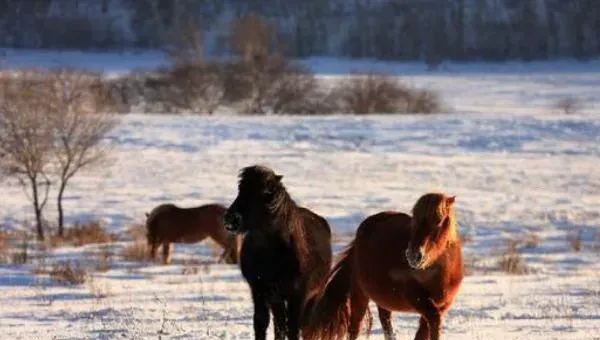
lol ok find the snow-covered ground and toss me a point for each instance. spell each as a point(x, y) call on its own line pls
point(516, 173)
point(513, 175)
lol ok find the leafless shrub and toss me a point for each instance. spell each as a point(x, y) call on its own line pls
point(69, 273)
point(295, 90)
point(466, 238)
point(193, 267)
point(136, 232)
point(532, 241)
point(104, 258)
point(277, 86)
point(423, 101)
point(4, 246)
point(15, 247)
point(568, 105)
point(137, 251)
point(575, 240)
point(237, 82)
point(40, 290)
point(167, 325)
point(83, 233)
point(197, 87)
point(511, 262)
point(469, 265)
point(130, 92)
point(378, 93)
point(265, 79)
point(99, 290)
point(21, 252)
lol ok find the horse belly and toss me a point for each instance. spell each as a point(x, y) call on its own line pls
point(191, 238)
point(382, 270)
point(386, 292)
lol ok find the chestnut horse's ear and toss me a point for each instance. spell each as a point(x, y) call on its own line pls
point(451, 200)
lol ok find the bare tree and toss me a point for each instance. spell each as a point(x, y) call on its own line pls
point(26, 138)
point(251, 38)
point(186, 43)
point(80, 120)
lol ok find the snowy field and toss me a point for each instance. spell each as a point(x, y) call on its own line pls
point(517, 171)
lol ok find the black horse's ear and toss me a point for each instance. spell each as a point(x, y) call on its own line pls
point(147, 215)
point(278, 178)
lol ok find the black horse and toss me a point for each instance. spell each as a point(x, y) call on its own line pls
point(286, 253)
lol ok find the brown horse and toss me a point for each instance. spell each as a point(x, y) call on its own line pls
point(401, 263)
point(168, 223)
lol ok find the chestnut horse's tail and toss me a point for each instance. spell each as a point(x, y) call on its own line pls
point(329, 312)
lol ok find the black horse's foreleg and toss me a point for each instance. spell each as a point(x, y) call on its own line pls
point(279, 317)
point(261, 314)
point(294, 312)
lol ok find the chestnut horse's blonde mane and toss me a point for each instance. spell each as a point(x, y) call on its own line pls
point(436, 206)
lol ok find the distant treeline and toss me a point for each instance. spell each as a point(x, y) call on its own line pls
point(429, 30)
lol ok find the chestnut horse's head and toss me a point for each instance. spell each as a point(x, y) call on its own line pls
point(433, 229)
point(259, 191)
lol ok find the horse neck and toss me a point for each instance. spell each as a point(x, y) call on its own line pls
point(448, 247)
point(288, 224)
point(220, 236)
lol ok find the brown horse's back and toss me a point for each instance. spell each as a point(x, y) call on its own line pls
point(211, 216)
point(170, 223)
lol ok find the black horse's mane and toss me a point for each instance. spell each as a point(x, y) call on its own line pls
point(283, 210)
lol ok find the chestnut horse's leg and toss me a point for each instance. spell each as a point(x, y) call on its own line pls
point(359, 304)
point(166, 249)
point(385, 317)
point(433, 319)
point(423, 332)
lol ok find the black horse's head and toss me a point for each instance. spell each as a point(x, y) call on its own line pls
point(259, 193)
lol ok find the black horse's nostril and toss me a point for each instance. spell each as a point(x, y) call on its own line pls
point(232, 221)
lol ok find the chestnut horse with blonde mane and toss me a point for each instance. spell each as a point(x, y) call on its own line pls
point(402, 263)
point(168, 223)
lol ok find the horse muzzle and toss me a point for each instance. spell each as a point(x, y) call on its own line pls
point(415, 259)
point(232, 222)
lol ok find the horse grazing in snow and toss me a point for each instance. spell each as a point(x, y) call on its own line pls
point(168, 223)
